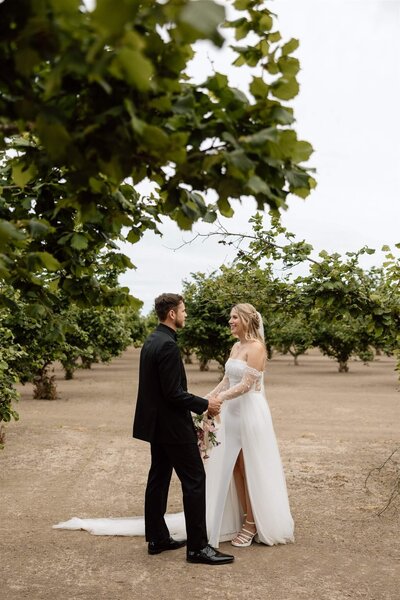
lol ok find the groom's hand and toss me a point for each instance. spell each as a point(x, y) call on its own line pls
point(214, 406)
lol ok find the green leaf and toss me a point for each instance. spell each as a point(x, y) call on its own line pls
point(275, 36)
point(48, 261)
point(89, 213)
point(113, 169)
point(36, 310)
point(225, 208)
point(133, 40)
point(263, 47)
point(25, 60)
point(134, 67)
point(210, 216)
point(54, 284)
point(290, 47)
point(133, 236)
point(296, 178)
point(302, 151)
point(79, 241)
point(204, 17)
point(242, 4)
point(8, 232)
point(227, 137)
point(216, 83)
point(183, 221)
point(239, 159)
point(242, 30)
point(261, 137)
point(185, 104)
point(155, 137)
point(266, 22)
point(259, 88)
point(300, 192)
point(111, 20)
point(288, 66)
point(239, 62)
point(22, 174)
point(39, 228)
point(257, 186)
point(285, 89)
point(65, 6)
point(284, 116)
point(54, 136)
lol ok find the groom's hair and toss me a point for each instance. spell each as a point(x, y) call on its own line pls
point(166, 302)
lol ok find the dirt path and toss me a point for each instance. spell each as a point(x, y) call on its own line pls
point(76, 457)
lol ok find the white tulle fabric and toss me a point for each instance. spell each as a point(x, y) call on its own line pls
point(128, 526)
point(245, 425)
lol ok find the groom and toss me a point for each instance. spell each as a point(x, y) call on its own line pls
point(163, 418)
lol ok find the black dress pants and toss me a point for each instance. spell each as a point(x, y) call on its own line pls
point(188, 465)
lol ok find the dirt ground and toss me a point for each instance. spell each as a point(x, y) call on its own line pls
point(75, 457)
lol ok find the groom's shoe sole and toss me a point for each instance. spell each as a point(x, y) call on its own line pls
point(202, 561)
point(171, 544)
point(209, 556)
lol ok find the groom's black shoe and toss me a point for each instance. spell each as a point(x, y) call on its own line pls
point(209, 556)
point(170, 544)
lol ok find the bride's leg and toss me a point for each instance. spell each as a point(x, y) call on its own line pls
point(245, 536)
point(238, 474)
point(250, 525)
point(242, 490)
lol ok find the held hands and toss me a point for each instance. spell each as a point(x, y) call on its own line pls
point(214, 406)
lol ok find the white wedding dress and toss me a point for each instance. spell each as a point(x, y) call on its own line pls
point(245, 425)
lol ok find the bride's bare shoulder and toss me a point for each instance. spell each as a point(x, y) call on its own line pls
point(256, 354)
point(256, 346)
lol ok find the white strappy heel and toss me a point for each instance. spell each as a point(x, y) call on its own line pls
point(245, 537)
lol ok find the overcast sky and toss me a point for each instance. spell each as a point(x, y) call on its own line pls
point(348, 108)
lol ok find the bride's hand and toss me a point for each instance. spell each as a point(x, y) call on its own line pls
point(214, 406)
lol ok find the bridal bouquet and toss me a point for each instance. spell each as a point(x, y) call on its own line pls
point(206, 437)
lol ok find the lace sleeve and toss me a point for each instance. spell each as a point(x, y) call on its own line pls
point(221, 387)
point(250, 377)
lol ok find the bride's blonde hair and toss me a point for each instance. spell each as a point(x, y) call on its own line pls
point(250, 319)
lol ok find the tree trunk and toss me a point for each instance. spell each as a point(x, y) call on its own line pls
point(343, 368)
point(188, 357)
point(86, 363)
point(204, 366)
point(69, 367)
point(269, 351)
point(69, 372)
point(2, 436)
point(44, 386)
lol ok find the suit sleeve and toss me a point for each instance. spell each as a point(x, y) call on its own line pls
point(171, 385)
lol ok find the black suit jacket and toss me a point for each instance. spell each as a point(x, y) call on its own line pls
point(163, 404)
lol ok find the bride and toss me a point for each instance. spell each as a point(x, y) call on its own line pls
point(246, 489)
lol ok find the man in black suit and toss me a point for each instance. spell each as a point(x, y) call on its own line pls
point(163, 418)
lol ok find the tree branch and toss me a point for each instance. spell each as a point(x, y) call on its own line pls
point(237, 239)
point(396, 488)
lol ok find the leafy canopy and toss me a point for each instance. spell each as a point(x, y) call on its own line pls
point(94, 102)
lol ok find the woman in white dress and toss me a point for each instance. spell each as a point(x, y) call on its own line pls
point(246, 488)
